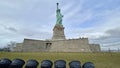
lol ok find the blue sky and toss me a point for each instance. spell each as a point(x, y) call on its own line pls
point(99, 20)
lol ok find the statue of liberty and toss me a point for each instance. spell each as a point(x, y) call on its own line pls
point(58, 16)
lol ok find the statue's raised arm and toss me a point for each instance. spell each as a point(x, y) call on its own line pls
point(58, 16)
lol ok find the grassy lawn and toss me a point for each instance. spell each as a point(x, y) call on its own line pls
point(100, 60)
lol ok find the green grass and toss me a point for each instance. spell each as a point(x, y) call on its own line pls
point(100, 60)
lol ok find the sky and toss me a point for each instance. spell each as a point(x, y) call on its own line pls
point(99, 20)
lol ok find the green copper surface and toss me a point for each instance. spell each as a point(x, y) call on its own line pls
point(58, 16)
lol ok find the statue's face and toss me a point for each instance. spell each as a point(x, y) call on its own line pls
point(58, 10)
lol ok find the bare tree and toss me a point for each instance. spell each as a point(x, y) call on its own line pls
point(11, 45)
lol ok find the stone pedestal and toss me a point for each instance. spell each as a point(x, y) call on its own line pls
point(58, 32)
